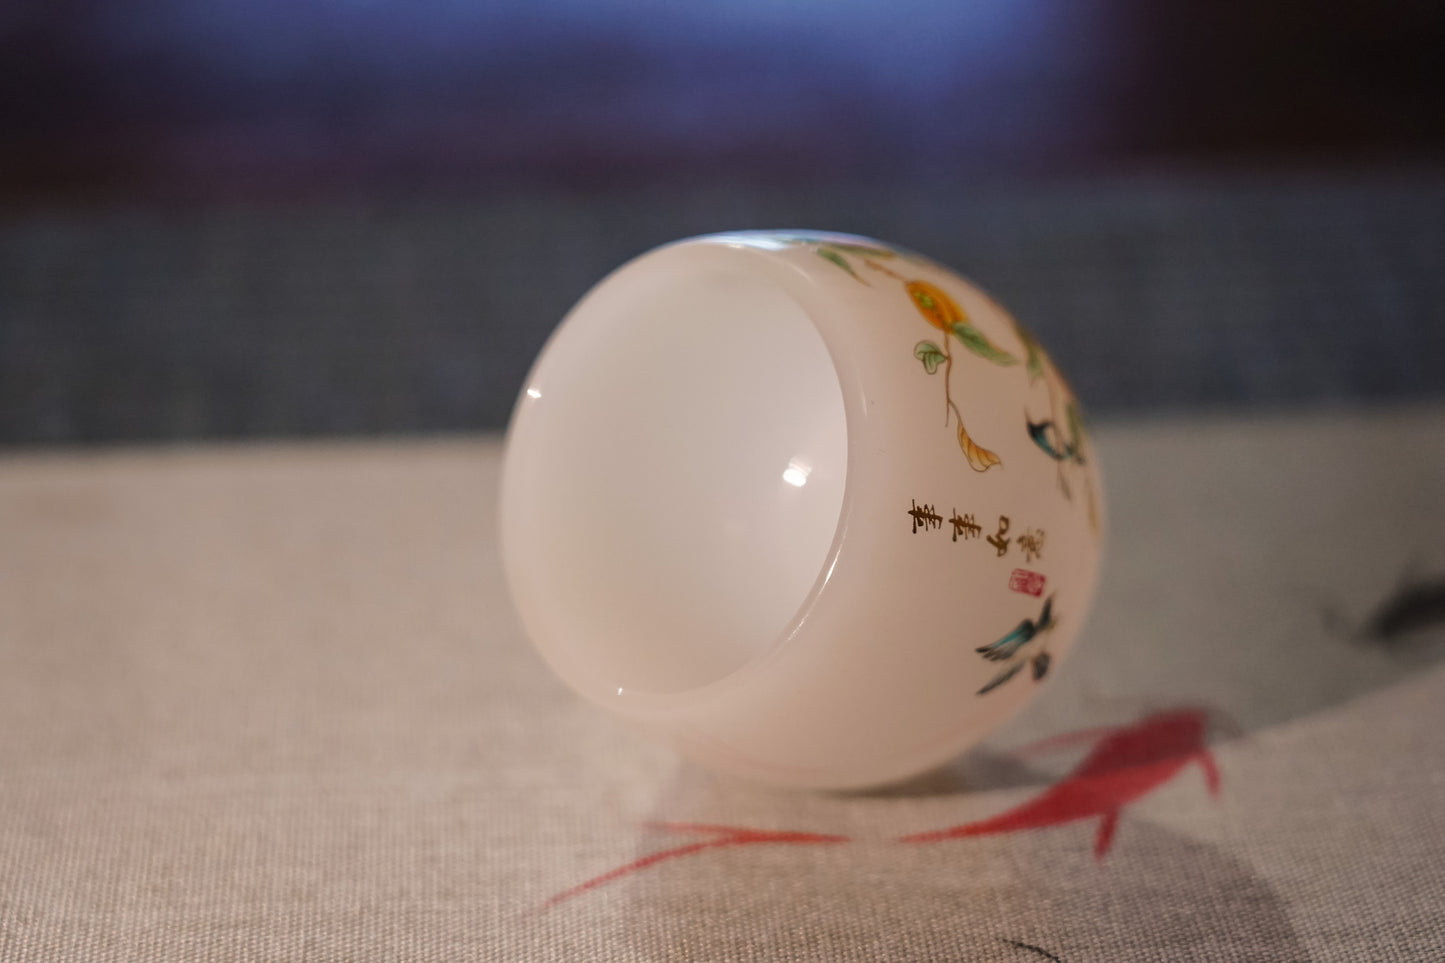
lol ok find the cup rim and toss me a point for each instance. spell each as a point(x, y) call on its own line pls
point(758, 250)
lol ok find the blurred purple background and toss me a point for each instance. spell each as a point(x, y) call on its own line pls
point(241, 217)
point(225, 98)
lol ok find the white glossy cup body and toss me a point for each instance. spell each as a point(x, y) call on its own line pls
point(811, 509)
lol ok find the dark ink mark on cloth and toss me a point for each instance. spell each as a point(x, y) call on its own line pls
point(1033, 949)
point(1415, 606)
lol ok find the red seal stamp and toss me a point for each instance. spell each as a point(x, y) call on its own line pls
point(1029, 583)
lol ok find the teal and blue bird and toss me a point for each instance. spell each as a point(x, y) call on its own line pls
point(1023, 634)
point(1051, 441)
point(1007, 647)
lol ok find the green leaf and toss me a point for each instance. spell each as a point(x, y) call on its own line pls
point(892, 251)
point(930, 354)
point(1076, 427)
point(864, 250)
point(828, 254)
point(974, 341)
point(1035, 362)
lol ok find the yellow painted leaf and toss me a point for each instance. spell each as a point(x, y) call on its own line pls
point(979, 458)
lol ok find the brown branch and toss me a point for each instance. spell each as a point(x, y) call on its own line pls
point(948, 380)
point(880, 268)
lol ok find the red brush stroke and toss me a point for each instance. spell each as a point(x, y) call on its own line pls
point(717, 837)
point(1125, 765)
point(1065, 740)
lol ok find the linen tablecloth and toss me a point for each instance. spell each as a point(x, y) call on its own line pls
point(270, 702)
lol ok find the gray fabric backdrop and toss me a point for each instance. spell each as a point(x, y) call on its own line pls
point(271, 703)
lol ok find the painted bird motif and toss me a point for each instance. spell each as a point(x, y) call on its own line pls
point(1007, 648)
point(1051, 441)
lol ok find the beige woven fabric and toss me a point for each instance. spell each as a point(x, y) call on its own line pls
point(271, 703)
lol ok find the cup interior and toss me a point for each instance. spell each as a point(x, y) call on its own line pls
point(674, 476)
